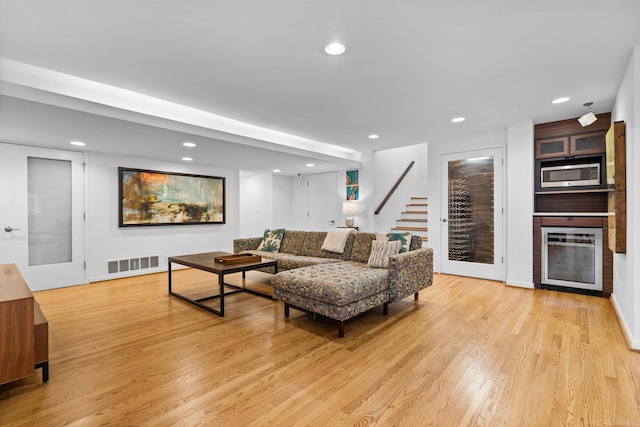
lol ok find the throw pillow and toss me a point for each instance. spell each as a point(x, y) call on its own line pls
point(271, 240)
point(405, 238)
point(381, 251)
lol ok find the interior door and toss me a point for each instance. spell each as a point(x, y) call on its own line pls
point(42, 214)
point(471, 214)
point(324, 212)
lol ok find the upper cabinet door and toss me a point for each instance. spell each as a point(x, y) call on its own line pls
point(548, 148)
point(588, 143)
point(568, 146)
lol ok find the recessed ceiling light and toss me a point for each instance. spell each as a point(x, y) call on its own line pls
point(187, 159)
point(560, 100)
point(276, 170)
point(78, 143)
point(457, 119)
point(189, 144)
point(335, 48)
point(374, 136)
point(310, 165)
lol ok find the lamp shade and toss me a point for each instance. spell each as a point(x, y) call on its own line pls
point(349, 208)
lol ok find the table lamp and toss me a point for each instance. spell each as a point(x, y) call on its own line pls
point(349, 209)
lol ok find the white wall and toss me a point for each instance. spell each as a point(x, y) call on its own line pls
point(491, 139)
point(272, 201)
point(388, 166)
point(282, 199)
point(366, 203)
point(256, 204)
point(626, 270)
point(519, 204)
point(107, 242)
point(265, 202)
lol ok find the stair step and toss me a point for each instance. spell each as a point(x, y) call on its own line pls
point(425, 229)
point(412, 220)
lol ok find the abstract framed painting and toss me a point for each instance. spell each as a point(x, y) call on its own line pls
point(148, 197)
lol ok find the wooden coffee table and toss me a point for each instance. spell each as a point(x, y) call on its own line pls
point(206, 262)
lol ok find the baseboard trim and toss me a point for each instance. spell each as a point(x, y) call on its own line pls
point(631, 343)
point(527, 285)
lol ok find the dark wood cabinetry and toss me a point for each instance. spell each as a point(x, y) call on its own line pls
point(567, 142)
point(588, 143)
point(23, 328)
point(551, 148)
point(562, 146)
point(571, 146)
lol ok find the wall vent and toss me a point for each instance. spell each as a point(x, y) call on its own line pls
point(132, 264)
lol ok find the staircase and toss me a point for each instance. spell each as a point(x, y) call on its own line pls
point(414, 219)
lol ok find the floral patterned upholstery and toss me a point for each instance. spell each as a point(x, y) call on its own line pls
point(410, 272)
point(340, 286)
point(313, 246)
point(337, 283)
point(362, 247)
point(332, 311)
point(292, 242)
point(288, 261)
point(242, 245)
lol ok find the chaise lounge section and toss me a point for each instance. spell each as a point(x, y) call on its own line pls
point(341, 286)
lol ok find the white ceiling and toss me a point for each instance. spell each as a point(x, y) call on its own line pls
point(409, 68)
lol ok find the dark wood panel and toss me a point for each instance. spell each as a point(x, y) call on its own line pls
point(571, 202)
point(537, 249)
point(607, 261)
point(570, 221)
point(571, 127)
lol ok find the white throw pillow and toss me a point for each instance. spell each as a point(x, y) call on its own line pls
point(381, 251)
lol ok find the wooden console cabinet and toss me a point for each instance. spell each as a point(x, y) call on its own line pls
point(24, 329)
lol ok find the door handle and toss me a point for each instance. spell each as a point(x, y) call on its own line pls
point(9, 229)
point(444, 219)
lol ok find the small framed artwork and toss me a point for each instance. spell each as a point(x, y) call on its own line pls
point(148, 197)
point(352, 185)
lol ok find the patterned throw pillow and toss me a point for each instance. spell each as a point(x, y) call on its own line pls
point(271, 240)
point(381, 251)
point(405, 238)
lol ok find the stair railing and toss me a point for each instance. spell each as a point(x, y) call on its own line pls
point(393, 189)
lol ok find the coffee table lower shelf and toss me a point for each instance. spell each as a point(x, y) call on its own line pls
point(207, 262)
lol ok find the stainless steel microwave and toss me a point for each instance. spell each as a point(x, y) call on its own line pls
point(574, 175)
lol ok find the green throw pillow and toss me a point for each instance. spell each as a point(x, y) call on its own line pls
point(271, 240)
point(405, 239)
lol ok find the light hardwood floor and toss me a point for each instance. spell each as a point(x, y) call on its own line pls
point(469, 352)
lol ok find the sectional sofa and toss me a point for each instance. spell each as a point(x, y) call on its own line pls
point(341, 285)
